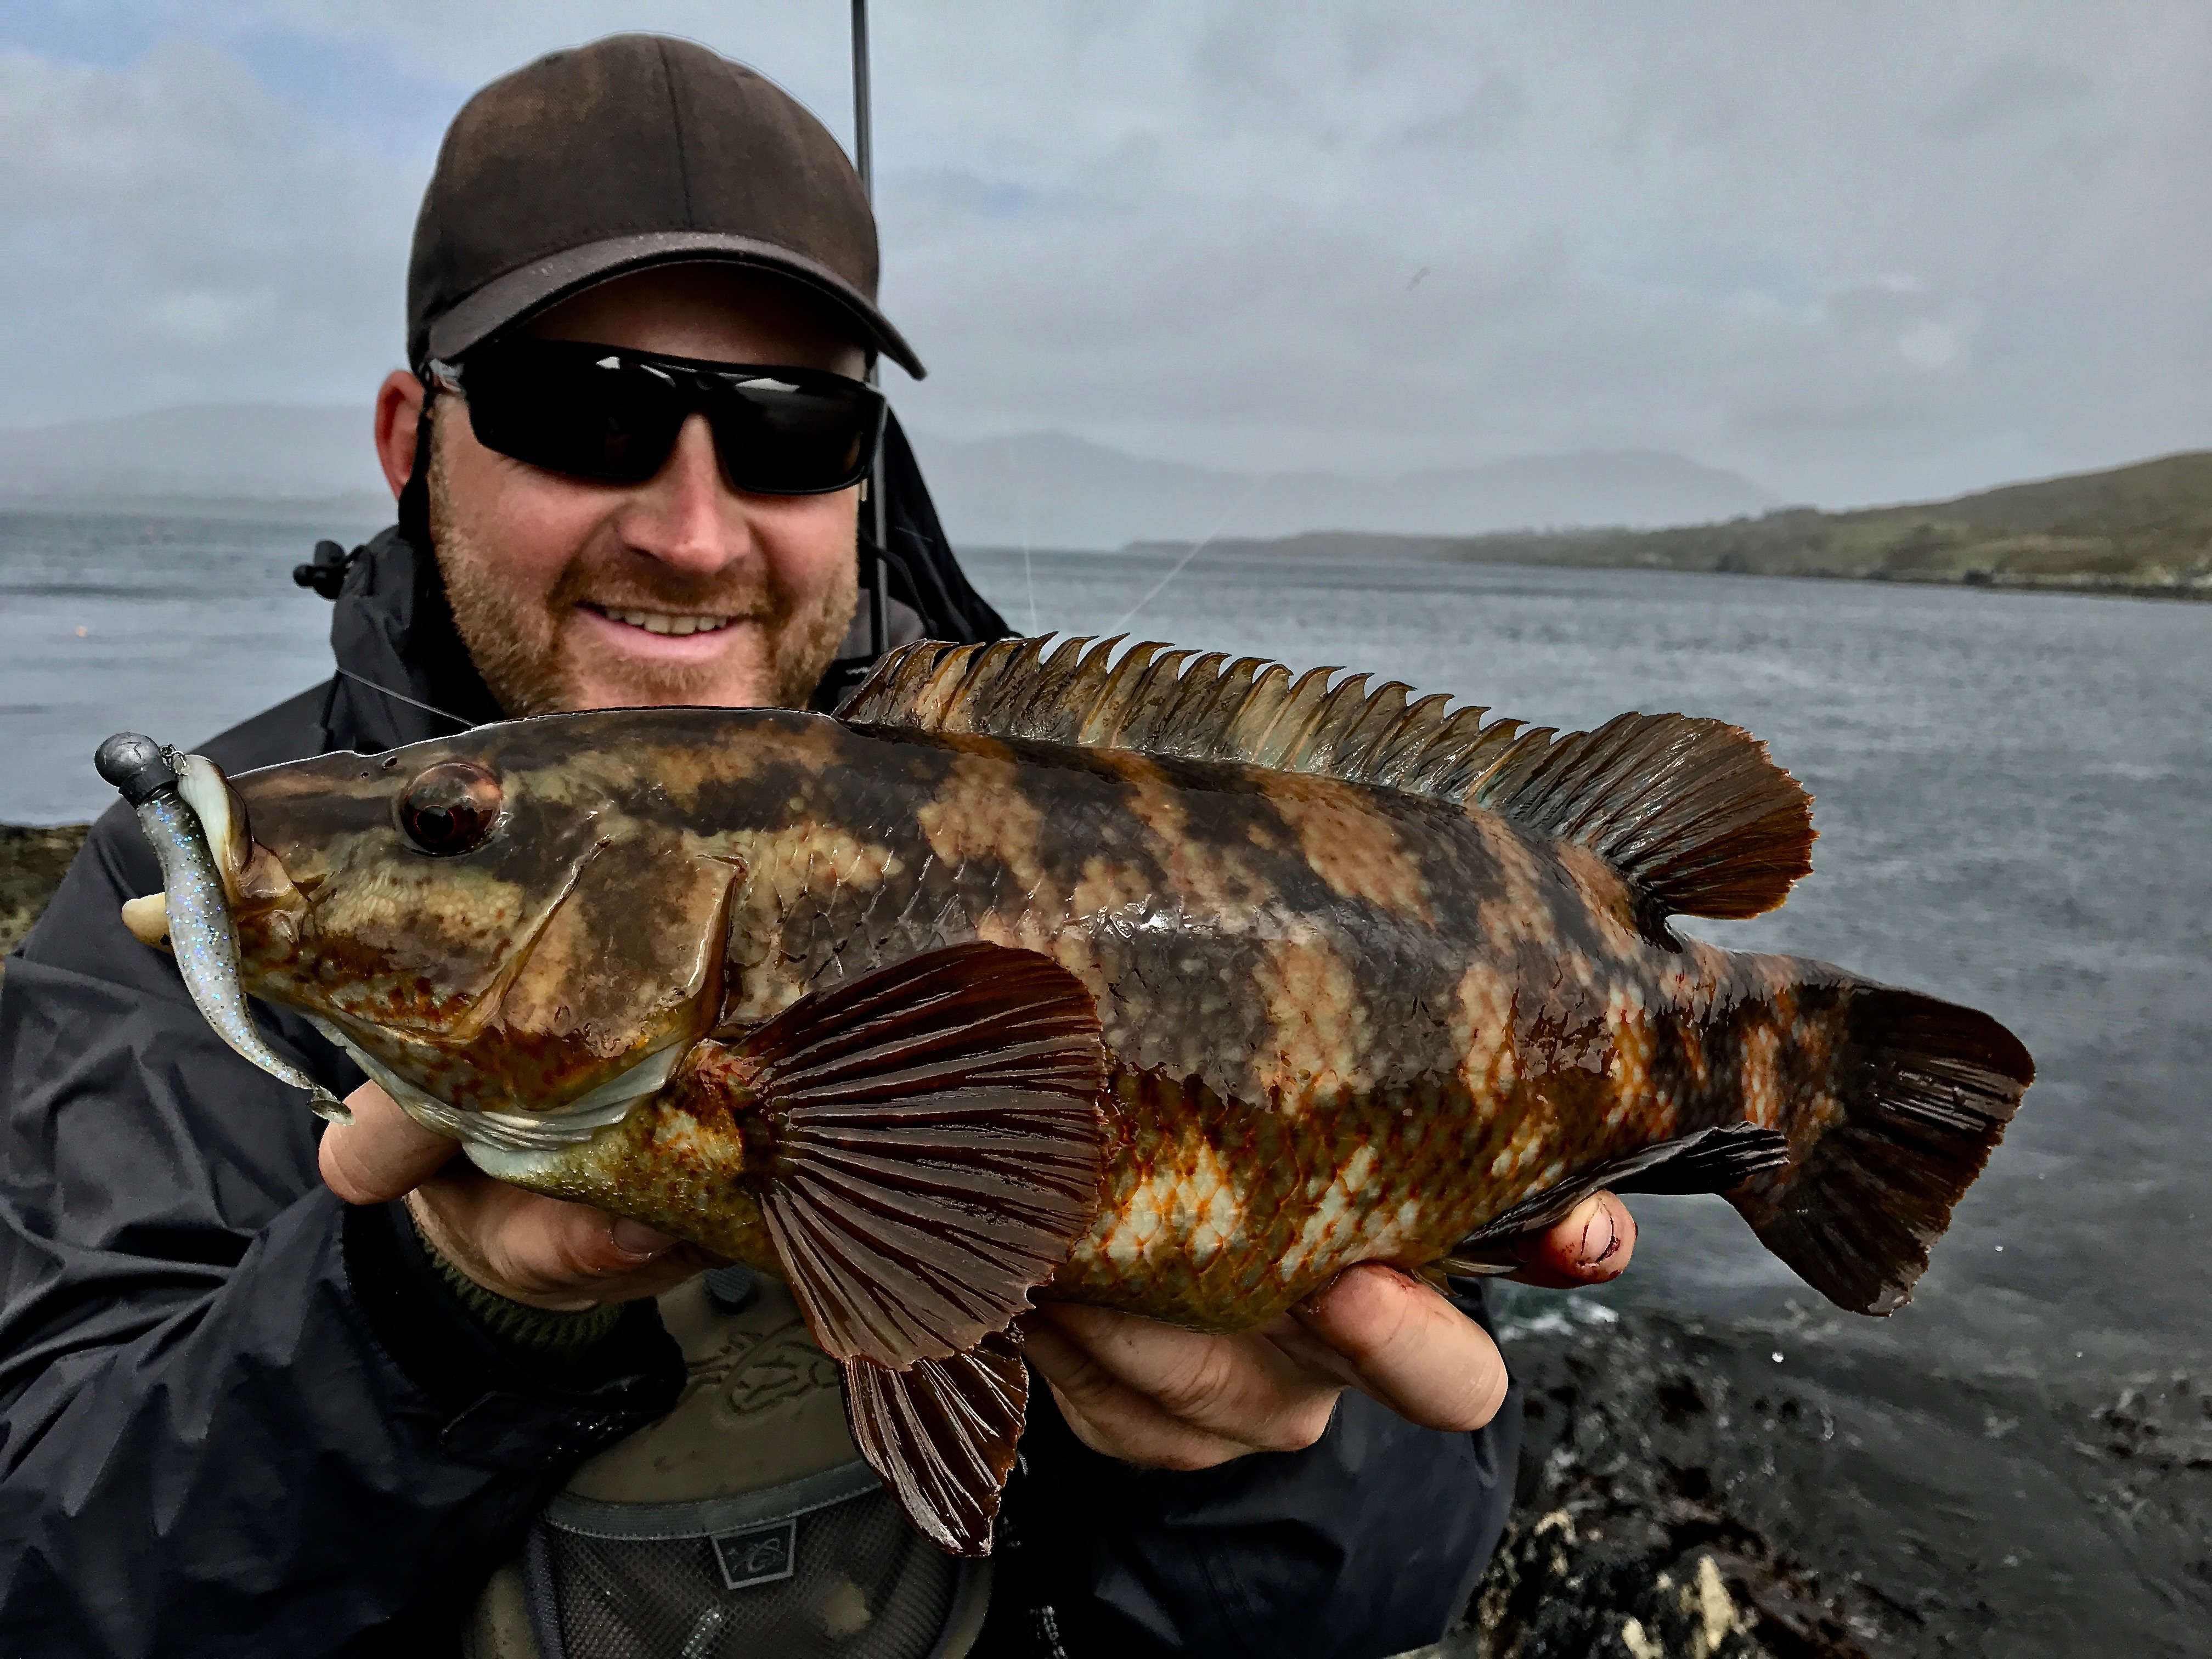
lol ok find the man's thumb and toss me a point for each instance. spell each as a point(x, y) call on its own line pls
point(382, 1153)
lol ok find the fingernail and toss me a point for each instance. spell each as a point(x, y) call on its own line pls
point(1602, 1236)
point(635, 1238)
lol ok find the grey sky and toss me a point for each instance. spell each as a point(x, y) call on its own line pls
point(1858, 251)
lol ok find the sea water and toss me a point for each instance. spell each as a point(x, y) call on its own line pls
point(2015, 799)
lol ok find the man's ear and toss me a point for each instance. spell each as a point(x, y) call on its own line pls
point(398, 414)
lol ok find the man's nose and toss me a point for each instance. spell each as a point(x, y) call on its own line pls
point(682, 516)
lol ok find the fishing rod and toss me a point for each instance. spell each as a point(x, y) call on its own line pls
point(878, 598)
point(864, 157)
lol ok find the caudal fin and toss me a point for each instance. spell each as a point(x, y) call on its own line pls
point(1925, 1089)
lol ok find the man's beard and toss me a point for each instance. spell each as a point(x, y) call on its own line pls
point(520, 648)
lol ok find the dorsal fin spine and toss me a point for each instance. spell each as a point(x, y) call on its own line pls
point(1692, 813)
point(1247, 727)
point(1363, 741)
point(1104, 717)
point(1087, 673)
point(1180, 714)
point(1150, 698)
point(1294, 721)
point(1397, 750)
point(1332, 704)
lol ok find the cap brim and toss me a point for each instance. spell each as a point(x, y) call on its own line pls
point(523, 292)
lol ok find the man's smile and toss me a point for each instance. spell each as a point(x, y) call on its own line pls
point(667, 623)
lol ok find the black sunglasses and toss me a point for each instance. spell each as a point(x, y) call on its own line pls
point(611, 414)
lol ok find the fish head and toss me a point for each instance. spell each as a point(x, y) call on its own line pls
point(515, 920)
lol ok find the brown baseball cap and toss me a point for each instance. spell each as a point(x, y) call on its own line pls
point(635, 150)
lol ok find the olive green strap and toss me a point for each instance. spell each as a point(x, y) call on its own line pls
point(539, 1332)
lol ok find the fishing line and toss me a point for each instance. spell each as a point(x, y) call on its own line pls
point(1028, 580)
point(427, 708)
point(1196, 549)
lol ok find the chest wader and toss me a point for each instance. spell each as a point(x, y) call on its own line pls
point(743, 1525)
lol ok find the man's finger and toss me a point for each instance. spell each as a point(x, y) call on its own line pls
point(382, 1153)
point(1408, 1348)
point(546, 1252)
point(1591, 1246)
point(1240, 1389)
point(1110, 1417)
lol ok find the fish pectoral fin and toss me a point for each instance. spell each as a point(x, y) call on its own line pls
point(1715, 1160)
point(942, 1434)
point(935, 1144)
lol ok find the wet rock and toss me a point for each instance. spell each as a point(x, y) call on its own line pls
point(32, 863)
point(1628, 1539)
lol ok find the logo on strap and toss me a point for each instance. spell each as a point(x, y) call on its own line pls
point(762, 1556)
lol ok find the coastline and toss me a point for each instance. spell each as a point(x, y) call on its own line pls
point(1340, 549)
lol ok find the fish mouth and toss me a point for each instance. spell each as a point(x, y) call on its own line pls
point(566, 1125)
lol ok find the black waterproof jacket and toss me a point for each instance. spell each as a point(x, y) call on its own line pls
point(237, 1417)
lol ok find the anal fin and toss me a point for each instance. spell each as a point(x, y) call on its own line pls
point(1715, 1160)
point(942, 1434)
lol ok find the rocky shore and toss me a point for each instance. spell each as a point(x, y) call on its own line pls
point(1631, 1535)
point(31, 860)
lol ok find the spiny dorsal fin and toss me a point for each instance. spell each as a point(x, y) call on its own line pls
point(1691, 812)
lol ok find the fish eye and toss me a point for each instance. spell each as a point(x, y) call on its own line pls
point(450, 807)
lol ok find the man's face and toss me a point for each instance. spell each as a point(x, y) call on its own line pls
point(566, 591)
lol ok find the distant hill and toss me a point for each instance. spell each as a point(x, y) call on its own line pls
point(2148, 523)
point(261, 452)
point(2144, 527)
point(1044, 488)
point(1052, 490)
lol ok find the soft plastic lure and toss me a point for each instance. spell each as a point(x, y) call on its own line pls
point(154, 780)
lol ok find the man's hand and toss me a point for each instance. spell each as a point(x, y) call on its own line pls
point(1155, 1394)
point(529, 1248)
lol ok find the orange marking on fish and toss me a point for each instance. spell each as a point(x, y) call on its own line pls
point(1355, 851)
point(1320, 1022)
point(1482, 1031)
point(980, 812)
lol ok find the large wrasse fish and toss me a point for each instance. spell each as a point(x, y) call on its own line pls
point(1166, 985)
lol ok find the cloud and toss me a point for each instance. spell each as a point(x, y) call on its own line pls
point(172, 232)
point(1858, 253)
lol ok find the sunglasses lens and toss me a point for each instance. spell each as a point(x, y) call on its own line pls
point(591, 416)
point(779, 437)
point(598, 413)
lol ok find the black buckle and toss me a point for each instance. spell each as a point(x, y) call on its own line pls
point(326, 571)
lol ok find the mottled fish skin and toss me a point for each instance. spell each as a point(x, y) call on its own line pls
point(1344, 1023)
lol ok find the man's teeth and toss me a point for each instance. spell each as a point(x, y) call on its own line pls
point(660, 622)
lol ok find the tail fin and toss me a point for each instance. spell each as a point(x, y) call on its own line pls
point(1926, 1089)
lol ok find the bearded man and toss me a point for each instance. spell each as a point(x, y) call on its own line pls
point(275, 1388)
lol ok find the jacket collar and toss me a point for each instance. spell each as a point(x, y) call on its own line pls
point(399, 656)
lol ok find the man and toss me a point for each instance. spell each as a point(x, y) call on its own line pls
point(402, 1407)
